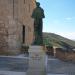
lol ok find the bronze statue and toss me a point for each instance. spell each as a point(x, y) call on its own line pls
point(38, 15)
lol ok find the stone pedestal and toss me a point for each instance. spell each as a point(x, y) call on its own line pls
point(36, 61)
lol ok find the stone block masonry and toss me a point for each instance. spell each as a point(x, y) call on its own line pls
point(14, 14)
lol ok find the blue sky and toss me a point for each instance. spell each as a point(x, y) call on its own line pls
point(59, 17)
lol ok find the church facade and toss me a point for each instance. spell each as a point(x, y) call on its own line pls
point(16, 24)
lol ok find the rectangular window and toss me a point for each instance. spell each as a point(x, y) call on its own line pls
point(23, 34)
point(13, 8)
point(24, 1)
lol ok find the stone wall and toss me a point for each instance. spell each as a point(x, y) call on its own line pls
point(25, 12)
point(60, 54)
point(65, 55)
point(13, 15)
point(3, 37)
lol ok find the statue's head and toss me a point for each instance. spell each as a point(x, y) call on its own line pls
point(38, 4)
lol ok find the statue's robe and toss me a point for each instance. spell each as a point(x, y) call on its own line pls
point(38, 15)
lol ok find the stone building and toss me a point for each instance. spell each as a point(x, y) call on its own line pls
point(16, 24)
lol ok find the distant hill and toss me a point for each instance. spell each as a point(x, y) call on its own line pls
point(57, 40)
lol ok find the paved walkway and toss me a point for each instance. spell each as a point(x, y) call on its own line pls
point(20, 73)
point(59, 67)
point(56, 74)
point(11, 73)
point(18, 65)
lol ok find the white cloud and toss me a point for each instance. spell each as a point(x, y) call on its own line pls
point(68, 18)
point(70, 35)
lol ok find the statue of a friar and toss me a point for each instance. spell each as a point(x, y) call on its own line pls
point(38, 15)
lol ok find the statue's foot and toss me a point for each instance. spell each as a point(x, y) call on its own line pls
point(37, 43)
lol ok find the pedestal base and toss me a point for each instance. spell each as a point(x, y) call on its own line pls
point(36, 61)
